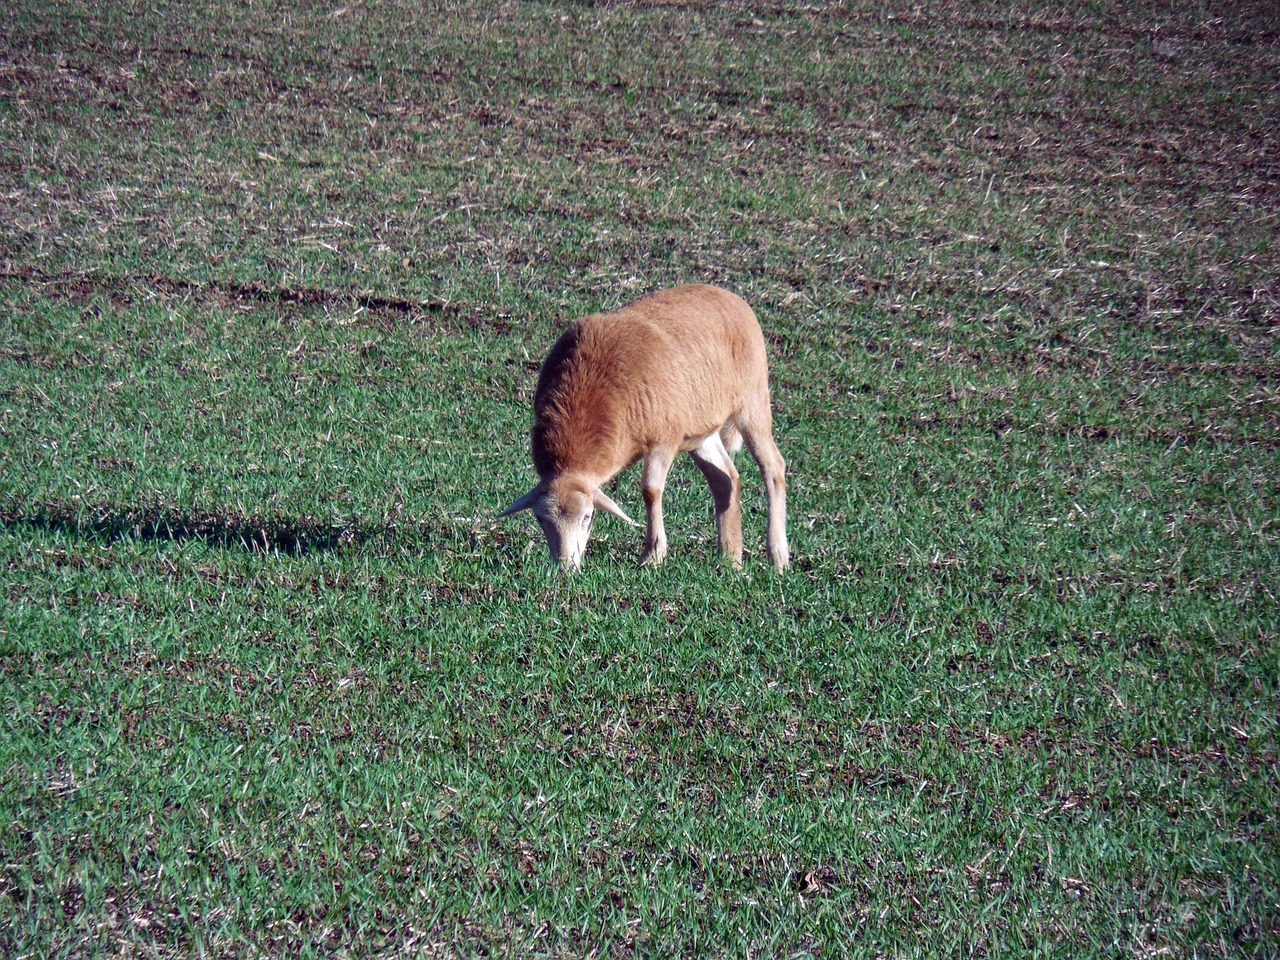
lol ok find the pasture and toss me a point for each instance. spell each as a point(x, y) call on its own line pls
point(276, 281)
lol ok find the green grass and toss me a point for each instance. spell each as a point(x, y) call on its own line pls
point(275, 282)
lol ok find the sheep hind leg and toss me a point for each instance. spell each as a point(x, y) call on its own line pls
point(713, 459)
point(773, 469)
point(731, 437)
point(654, 480)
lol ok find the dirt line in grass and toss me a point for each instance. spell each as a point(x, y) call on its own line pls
point(132, 288)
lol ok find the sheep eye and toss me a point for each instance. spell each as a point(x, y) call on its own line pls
point(586, 519)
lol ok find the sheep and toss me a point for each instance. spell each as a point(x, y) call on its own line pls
point(682, 369)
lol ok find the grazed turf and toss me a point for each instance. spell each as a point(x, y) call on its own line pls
point(275, 284)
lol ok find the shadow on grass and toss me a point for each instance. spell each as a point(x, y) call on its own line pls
point(292, 536)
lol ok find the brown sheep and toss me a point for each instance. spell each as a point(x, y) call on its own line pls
point(679, 370)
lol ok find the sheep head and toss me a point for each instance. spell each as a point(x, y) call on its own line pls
point(564, 507)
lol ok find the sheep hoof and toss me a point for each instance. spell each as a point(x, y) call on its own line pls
point(653, 556)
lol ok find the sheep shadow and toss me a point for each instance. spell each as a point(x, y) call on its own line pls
point(277, 533)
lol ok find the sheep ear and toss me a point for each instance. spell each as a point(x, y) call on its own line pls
point(524, 503)
point(603, 502)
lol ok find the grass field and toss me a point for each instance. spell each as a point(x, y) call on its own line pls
point(276, 279)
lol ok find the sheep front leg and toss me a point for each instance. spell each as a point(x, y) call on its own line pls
point(722, 476)
point(654, 480)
